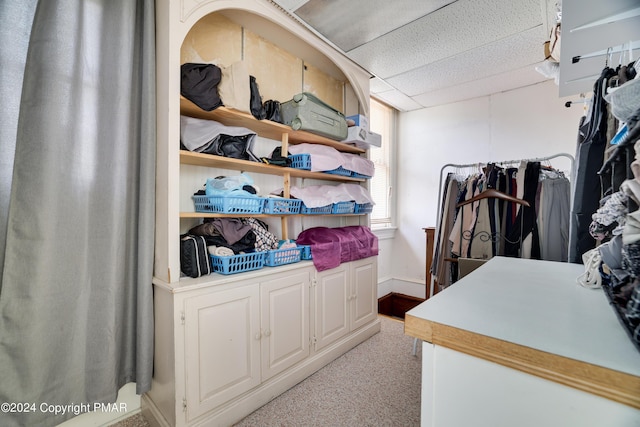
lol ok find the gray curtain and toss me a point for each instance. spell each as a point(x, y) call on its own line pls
point(77, 186)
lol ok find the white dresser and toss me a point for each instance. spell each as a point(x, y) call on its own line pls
point(520, 343)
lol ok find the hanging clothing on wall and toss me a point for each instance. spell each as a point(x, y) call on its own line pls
point(478, 224)
point(553, 218)
point(527, 218)
point(589, 159)
point(443, 247)
point(466, 219)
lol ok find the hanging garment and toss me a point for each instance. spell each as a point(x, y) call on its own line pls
point(554, 214)
point(465, 220)
point(589, 160)
point(526, 221)
point(483, 234)
point(443, 250)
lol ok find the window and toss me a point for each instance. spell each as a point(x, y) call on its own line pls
point(382, 121)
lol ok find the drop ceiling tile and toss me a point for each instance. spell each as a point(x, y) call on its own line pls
point(482, 87)
point(351, 23)
point(398, 100)
point(513, 52)
point(377, 85)
point(456, 28)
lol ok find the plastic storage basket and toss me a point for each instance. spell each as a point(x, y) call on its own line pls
point(339, 171)
point(218, 204)
point(318, 211)
point(363, 208)
point(237, 263)
point(281, 206)
point(282, 256)
point(342, 208)
point(300, 161)
point(359, 175)
point(305, 252)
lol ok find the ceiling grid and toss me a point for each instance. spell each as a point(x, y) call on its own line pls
point(431, 52)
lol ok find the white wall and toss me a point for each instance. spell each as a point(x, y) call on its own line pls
point(524, 123)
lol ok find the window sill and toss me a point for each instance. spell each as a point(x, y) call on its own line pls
point(384, 233)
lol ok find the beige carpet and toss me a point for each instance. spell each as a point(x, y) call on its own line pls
point(375, 384)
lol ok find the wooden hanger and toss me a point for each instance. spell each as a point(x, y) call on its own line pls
point(494, 194)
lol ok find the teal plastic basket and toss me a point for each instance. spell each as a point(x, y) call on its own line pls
point(217, 204)
point(237, 263)
point(300, 161)
point(281, 206)
point(343, 208)
point(277, 257)
point(316, 211)
point(363, 208)
point(305, 252)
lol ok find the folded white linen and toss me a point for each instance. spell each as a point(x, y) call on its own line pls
point(220, 251)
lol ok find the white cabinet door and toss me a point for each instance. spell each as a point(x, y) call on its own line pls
point(285, 322)
point(331, 305)
point(363, 296)
point(222, 347)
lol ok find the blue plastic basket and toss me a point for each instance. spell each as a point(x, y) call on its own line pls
point(281, 206)
point(363, 208)
point(342, 208)
point(359, 175)
point(305, 252)
point(282, 256)
point(218, 204)
point(318, 211)
point(300, 161)
point(237, 263)
point(339, 171)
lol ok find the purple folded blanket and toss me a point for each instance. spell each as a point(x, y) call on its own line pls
point(332, 246)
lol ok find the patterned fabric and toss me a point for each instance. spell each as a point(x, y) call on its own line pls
point(610, 218)
point(633, 312)
point(265, 240)
point(631, 259)
point(633, 308)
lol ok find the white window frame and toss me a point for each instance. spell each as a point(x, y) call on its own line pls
point(385, 225)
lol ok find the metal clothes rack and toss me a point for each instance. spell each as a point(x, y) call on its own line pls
point(470, 165)
point(439, 216)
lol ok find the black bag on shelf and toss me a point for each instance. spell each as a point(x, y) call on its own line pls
point(236, 147)
point(256, 100)
point(272, 110)
point(194, 256)
point(199, 84)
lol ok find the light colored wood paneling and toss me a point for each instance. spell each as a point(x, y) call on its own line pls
point(278, 73)
point(213, 39)
point(324, 87)
point(352, 106)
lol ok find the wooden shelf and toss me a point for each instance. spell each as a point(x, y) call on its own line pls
point(264, 128)
point(209, 160)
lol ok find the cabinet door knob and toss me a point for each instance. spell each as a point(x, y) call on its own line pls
point(258, 335)
point(267, 333)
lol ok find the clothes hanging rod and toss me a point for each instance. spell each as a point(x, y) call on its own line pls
point(634, 45)
point(538, 159)
point(584, 101)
